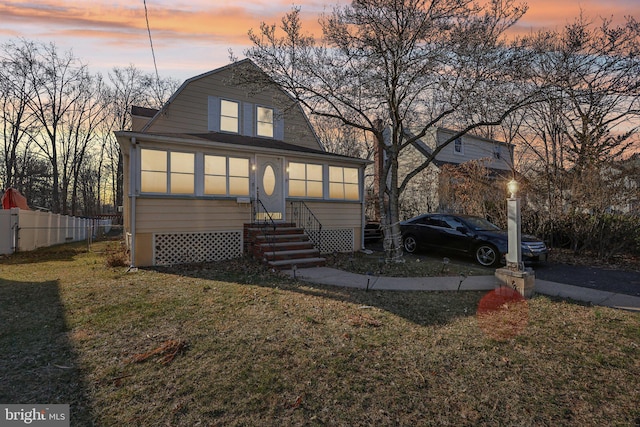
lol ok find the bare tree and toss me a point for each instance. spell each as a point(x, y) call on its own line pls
point(16, 92)
point(588, 122)
point(58, 80)
point(413, 64)
point(79, 136)
point(129, 86)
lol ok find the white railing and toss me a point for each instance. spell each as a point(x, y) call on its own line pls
point(22, 230)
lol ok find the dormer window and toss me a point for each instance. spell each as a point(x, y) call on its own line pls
point(264, 122)
point(229, 116)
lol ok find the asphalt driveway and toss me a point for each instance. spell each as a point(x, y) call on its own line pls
point(604, 279)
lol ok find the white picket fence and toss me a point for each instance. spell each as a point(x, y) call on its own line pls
point(22, 230)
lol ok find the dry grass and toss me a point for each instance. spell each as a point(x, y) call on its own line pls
point(411, 265)
point(250, 347)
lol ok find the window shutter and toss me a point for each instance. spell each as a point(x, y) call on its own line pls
point(247, 119)
point(278, 125)
point(214, 113)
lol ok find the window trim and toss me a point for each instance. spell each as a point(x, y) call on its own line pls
point(455, 145)
point(306, 180)
point(238, 116)
point(168, 173)
point(497, 152)
point(344, 184)
point(227, 175)
point(258, 121)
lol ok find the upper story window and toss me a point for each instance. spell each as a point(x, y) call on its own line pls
point(264, 125)
point(496, 152)
point(458, 147)
point(343, 183)
point(229, 116)
point(305, 180)
point(167, 172)
point(226, 176)
point(243, 118)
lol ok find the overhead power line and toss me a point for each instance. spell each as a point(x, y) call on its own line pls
point(153, 54)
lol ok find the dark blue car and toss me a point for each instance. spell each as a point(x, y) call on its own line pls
point(466, 234)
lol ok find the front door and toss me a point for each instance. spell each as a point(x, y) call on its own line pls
point(270, 189)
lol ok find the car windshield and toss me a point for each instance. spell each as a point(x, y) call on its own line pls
point(480, 224)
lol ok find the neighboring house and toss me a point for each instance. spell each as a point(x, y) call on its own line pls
point(219, 159)
point(623, 177)
point(423, 193)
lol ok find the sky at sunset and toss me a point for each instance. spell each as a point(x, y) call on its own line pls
point(194, 36)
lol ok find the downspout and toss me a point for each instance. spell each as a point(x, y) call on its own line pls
point(133, 161)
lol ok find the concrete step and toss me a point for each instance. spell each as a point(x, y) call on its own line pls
point(277, 230)
point(281, 237)
point(287, 264)
point(301, 253)
point(283, 246)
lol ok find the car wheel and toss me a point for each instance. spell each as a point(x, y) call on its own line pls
point(410, 244)
point(487, 255)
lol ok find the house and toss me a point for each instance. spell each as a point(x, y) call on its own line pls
point(425, 191)
point(221, 169)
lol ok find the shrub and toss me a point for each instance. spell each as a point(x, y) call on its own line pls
point(117, 255)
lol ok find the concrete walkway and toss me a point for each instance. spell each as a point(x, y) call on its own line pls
point(334, 277)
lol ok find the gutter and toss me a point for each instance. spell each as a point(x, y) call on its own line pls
point(189, 141)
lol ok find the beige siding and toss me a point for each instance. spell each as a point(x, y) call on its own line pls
point(144, 249)
point(188, 112)
point(166, 215)
point(337, 215)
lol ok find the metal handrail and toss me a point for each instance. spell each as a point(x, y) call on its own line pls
point(267, 215)
point(270, 238)
point(303, 217)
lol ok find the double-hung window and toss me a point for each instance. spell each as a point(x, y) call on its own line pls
point(182, 176)
point(305, 180)
point(229, 116)
point(226, 176)
point(264, 125)
point(343, 183)
point(153, 171)
point(166, 172)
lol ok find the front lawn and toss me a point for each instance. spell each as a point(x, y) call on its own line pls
point(234, 344)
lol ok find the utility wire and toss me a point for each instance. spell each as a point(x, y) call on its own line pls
point(146, 17)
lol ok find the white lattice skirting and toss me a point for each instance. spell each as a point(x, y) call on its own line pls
point(334, 240)
point(186, 248)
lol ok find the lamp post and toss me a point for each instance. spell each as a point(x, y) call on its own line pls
point(514, 275)
point(514, 254)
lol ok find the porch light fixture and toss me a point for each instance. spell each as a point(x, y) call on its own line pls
point(513, 186)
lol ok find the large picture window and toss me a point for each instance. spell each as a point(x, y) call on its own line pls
point(264, 122)
point(229, 116)
point(305, 180)
point(343, 183)
point(226, 176)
